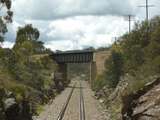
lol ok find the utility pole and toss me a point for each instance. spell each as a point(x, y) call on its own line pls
point(114, 39)
point(147, 6)
point(147, 18)
point(129, 19)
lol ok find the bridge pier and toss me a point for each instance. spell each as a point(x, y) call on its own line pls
point(62, 68)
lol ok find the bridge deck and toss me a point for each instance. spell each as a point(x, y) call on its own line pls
point(73, 56)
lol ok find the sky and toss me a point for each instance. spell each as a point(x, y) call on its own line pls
point(77, 24)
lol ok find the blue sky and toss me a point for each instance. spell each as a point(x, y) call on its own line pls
point(76, 24)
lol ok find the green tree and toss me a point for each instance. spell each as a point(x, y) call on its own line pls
point(3, 30)
point(114, 68)
point(27, 41)
point(7, 4)
point(7, 60)
point(6, 18)
point(38, 47)
point(26, 33)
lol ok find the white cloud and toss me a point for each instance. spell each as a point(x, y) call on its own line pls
point(53, 9)
point(12, 29)
point(86, 31)
point(63, 45)
point(7, 44)
point(70, 24)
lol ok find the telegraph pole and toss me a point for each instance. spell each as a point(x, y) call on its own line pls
point(147, 6)
point(147, 18)
point(129, 19)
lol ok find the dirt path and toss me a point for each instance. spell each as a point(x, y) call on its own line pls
point(93, 110)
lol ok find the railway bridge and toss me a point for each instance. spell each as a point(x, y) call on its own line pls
point(95, 60)
point(85, 56)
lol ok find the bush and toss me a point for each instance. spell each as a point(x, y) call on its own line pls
point(135, 55)
point(114, 69)
point(99, 83)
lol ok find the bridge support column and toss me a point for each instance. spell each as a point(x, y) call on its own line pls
point(93, 72)
point(63, 69)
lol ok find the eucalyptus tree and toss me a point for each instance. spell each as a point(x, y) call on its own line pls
point(27, 41)
point(5, 16)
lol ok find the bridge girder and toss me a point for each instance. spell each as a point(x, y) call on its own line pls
point(73, 57)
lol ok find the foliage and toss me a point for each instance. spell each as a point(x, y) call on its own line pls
point(26, 70)
point(27, 33)
point(99, 83)
point(6, 18)
point(114, 66)
point(30, 70)
point(7, 60)
point(7, 4)
point(3, 29)
point(27, 39)
point(102, 48)
point(136, 55)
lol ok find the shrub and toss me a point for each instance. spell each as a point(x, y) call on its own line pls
point(99, 83)
point(114, 68)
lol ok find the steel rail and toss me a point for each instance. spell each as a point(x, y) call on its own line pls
point(61, 114)
point(82, 108)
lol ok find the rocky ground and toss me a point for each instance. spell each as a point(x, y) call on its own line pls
point(145, 104)
point(148, 105)
point(93, 109)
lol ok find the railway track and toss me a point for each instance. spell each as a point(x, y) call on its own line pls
point(81, 104)
point(61, 114)
point(82, 108)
